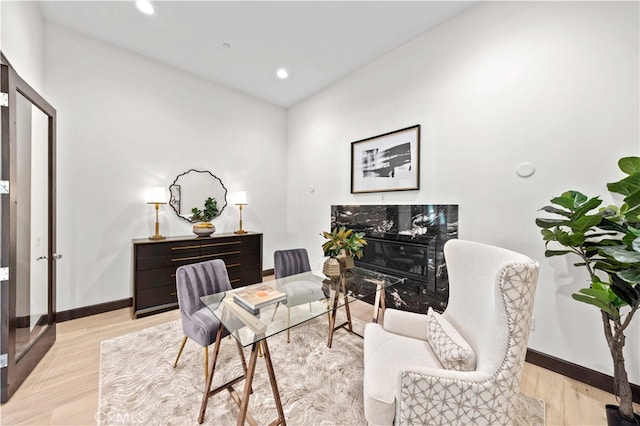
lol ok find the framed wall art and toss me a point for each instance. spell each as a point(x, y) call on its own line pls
point(387, 162)
point(174, 201)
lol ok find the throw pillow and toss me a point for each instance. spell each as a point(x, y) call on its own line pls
point(453, 352)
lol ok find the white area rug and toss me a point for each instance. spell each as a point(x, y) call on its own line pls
point(318, 385)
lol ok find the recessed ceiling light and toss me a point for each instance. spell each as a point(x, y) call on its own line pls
point(282, 73)
point(226, 45)
point(145, 6)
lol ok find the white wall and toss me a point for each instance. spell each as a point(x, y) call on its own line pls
point(552, 83)
point(126, 123)
point(22, 40)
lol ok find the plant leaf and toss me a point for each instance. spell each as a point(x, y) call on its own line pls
point(550, 223)
point(551, 209)
point(570, 240)
point(609, 225)
point(570, 199)
point(587, 206)
point(633, 201)
point(551, 253)
point(625, 292)
point(630, 275)
point(629, 165)
point(622, 255)
point(585, 223)
point(626, 186)
point(595, 302)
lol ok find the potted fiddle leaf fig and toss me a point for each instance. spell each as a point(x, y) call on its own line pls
point(606, 241)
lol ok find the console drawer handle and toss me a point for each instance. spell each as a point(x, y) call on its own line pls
point(205, 256)
point(221, 254)
point(221, 244)
point(180, 259)
point(185, 247)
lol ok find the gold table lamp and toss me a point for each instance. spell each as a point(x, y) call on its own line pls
point(241, 201)
point(157, 195)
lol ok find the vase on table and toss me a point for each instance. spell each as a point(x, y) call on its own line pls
point(331, 267)
point(203, 229)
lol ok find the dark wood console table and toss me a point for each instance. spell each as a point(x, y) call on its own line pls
point(155, 264)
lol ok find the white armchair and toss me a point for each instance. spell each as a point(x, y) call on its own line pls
point(484, 330)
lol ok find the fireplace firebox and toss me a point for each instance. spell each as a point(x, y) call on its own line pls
point(405, 241)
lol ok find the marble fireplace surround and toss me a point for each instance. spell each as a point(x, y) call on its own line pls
point(405, 240)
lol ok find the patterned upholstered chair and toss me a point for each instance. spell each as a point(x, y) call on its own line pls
point(464, 366)
point(198, 322)
point(291, 262)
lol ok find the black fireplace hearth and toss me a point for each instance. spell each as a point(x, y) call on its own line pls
point(405, 241)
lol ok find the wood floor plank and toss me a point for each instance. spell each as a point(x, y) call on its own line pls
point(63, 388)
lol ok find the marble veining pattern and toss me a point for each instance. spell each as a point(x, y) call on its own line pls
point(407, 241)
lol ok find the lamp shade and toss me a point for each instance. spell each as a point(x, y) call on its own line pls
point(156, 195)
point(240, 197)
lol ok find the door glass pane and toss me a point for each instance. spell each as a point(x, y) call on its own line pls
point(3, 199)
point(32, 237)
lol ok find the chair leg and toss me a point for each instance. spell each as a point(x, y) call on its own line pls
point(288, 325)
point(206, 362)
point(184, 341)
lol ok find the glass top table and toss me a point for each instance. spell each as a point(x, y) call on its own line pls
point(309, 295)
point(312, 288)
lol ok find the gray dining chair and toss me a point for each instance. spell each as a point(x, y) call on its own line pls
point(198, 322)
point(291, 262)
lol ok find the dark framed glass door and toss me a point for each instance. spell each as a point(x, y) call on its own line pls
point(27, 215)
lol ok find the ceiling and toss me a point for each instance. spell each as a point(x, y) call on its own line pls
point(318, 42)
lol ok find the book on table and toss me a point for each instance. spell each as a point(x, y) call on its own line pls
point(253, 299)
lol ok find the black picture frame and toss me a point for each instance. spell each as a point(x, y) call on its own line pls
point(174, 200)
point(387, 162)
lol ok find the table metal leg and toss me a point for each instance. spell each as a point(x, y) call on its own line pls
point(379, 304)
point(341, 287)
point(343, 282)
point(376, 304)
point(207, 389)
point(274, 385)
point(334, 310)
point(229, 385)
point(244, 403)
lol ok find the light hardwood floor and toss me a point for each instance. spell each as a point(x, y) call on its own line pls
point(63, 389)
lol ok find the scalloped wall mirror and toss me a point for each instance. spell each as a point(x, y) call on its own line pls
point(191, 189)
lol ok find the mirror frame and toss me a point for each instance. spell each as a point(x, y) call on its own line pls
point(175, 182)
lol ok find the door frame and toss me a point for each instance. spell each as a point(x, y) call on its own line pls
point(17, 370)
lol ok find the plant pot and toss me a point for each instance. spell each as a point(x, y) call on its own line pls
point(331, 268)
point(203, 229)
point(615, 419)
point(346, 261)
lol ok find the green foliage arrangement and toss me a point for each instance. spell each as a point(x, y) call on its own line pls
point(344, 239)
point(607, 242)
point(210, 211)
